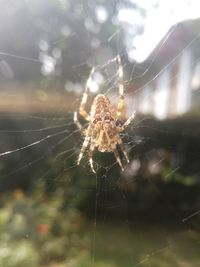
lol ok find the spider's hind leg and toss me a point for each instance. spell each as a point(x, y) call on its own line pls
point(121, 104)
point(82, 110)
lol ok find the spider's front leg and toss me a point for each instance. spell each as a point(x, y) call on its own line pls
point(124, 150)
point(127, 122)
point(83, 148)
point(118, 159)
point(76, 121)
point(91, 150)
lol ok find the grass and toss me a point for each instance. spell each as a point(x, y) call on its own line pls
point(116, 245)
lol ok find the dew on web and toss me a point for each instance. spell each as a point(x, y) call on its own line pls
point(61, 213)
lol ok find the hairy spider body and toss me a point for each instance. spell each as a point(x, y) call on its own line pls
point(103, 133)
point(102, 128)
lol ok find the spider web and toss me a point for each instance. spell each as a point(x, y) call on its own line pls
point(134, 224)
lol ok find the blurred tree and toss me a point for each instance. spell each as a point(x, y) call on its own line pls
point(53, 38)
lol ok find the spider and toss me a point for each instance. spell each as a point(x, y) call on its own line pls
point(102, 132)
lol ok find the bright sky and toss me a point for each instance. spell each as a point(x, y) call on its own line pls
point(161, 15)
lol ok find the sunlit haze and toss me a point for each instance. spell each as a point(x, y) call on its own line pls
point(160, 17)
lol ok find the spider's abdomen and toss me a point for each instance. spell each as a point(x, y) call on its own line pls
point(103, 124)
point(102, 109)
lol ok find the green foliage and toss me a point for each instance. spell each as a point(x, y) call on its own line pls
point(38, 230)
point(17, 254)
point(178, 177)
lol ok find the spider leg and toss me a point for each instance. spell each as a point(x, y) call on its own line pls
point(121, 104)
point(82, 110)
point(127, 122)
point(76, 121)
point(118, 159)
point(91, 150)
point(83, 148)
point(124, 151)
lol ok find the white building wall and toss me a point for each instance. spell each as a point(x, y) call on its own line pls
point(184, 93)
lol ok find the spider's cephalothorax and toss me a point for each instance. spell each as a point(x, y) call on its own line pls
point(103, 133)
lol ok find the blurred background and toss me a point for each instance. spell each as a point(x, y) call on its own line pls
point(57, 214)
